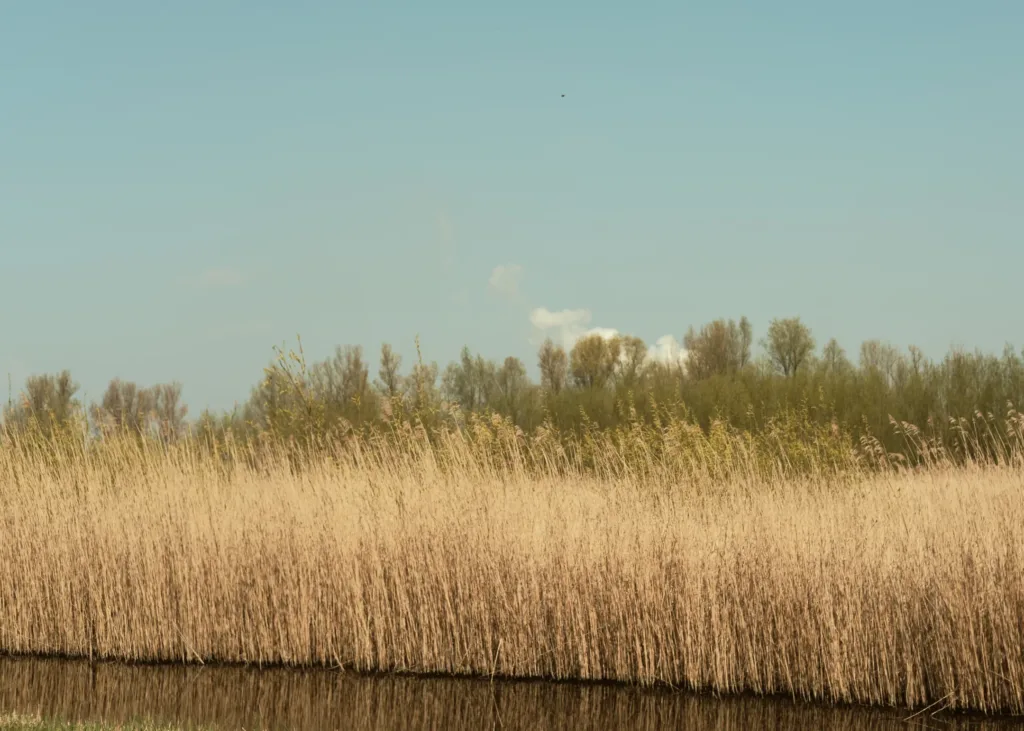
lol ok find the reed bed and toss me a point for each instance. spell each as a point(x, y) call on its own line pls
point(896, 587)
point(17, 722)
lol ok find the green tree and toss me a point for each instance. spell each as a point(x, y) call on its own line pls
point(422, 391)
point(470, 382)
point(788, 344)
point(593, 360)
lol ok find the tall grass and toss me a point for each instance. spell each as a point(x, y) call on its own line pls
point(709, 565)
point(15, 722)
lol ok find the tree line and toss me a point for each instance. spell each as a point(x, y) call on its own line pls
point(599, 382)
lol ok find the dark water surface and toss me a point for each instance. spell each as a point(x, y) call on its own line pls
point(277, 698)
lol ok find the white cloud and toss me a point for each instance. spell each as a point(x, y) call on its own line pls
point(505, 279)
point(217, 278)
point(666, 349)
point(605, 332)
point(545, 319)
point(568, 326)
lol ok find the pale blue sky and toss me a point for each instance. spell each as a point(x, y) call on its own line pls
point(185, 184)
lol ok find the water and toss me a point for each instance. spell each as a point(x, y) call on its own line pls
point(277, 698)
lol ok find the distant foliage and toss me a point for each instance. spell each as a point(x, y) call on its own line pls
point(596, 392)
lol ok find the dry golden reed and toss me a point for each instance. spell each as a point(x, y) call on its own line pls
point(894, 587)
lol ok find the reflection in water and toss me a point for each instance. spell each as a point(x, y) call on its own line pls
point(250, 698)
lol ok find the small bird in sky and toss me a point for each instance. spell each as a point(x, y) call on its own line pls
point(563, 96)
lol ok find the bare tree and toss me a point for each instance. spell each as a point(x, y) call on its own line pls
point(169, 411)
point(719, 348)
point(125, 407)
point(833, 358)
point(632, 359)
point(554, 366)
point(47, 401)
point(746, 338)
point(389, 380)
point(512, 387)
point(880, 359)
point(342, 384)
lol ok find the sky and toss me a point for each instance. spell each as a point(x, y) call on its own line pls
point(185, 185)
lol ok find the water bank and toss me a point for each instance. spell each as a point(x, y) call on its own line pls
point(224, 697)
